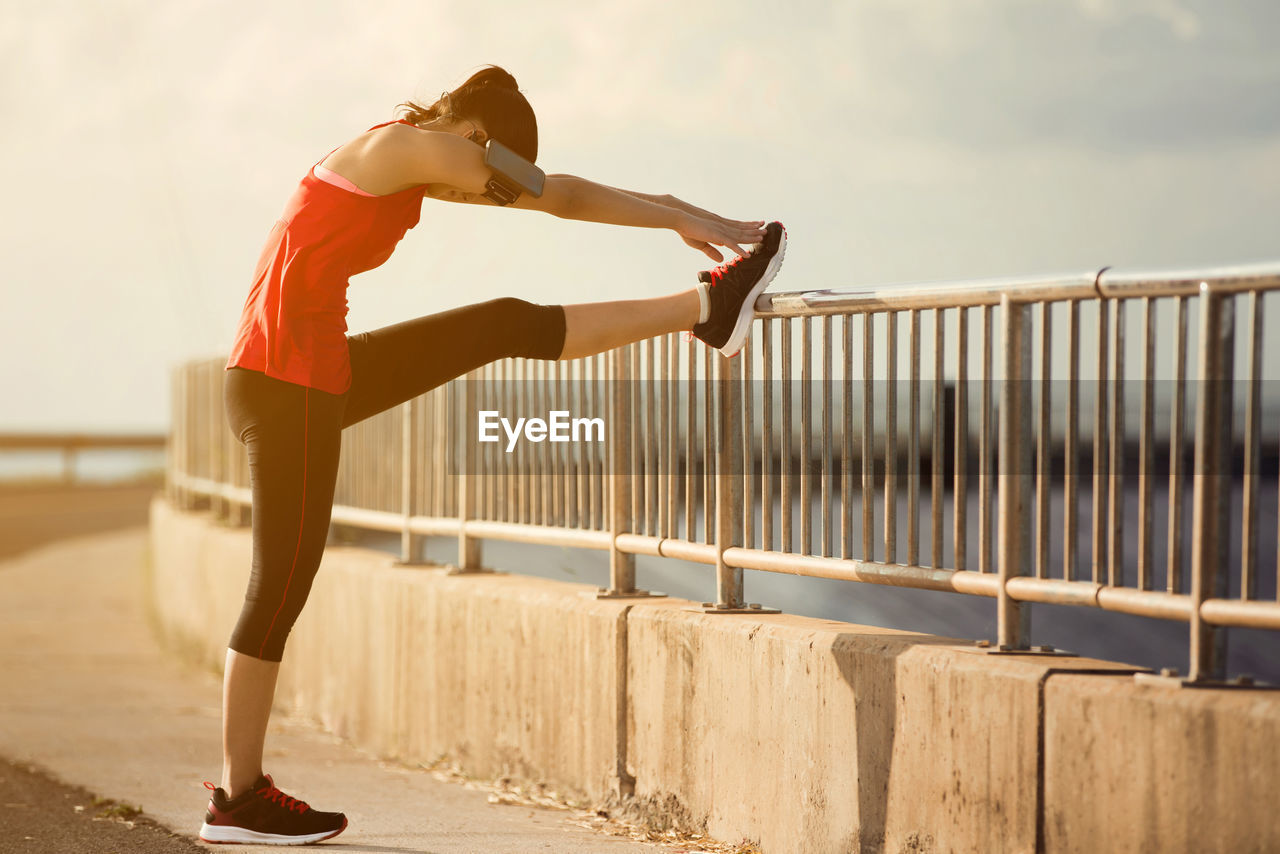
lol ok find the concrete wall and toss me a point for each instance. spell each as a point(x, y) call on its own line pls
point(806, 735)
point(1133, 767)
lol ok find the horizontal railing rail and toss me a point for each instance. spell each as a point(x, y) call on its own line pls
point(71, 445)
point(1099, 439)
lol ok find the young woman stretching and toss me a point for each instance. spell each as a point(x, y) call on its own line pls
point(295, 379)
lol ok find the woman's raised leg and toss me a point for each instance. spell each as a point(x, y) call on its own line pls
point(397, 363)
point(595, 327)
point(400, 362)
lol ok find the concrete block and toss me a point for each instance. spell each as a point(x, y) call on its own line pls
point(505, 674)
point(966, 745)
point(744, 727)
point(1132, 767)
point(819, 736)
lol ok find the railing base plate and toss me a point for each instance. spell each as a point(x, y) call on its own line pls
point(1162, 680)
point(419, 564)
point(989, 649)
point(710, 608)
point(481, 570)
point(605, 593)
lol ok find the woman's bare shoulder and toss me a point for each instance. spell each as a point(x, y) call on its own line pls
point(399, 142)
point(373, 161)
point(375, 138)
point(395, 157)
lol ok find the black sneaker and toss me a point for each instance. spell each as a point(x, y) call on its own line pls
point(734, 288)
point(264, 815)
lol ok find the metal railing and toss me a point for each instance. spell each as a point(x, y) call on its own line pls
point(966, 437)
point(69, 446)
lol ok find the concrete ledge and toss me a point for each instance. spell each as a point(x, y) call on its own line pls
point(805, 735)
point(1133, 767)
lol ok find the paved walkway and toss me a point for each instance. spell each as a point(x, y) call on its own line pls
point(89, 696)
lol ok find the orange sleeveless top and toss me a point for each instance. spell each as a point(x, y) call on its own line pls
point(294, 323)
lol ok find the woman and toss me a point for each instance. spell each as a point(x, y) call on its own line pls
point(295, 379)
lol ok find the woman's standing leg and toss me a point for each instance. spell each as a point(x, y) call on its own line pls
point(293, 438)
point(248, 690)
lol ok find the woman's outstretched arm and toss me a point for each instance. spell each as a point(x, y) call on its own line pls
point(578, 198)
point(455, 168)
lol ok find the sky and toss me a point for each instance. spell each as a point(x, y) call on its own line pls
point(148, 148)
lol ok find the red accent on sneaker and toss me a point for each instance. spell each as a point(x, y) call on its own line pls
point(717, 273)
point(271, 793)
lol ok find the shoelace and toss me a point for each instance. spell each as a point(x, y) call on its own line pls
point(718, 273)
point(276, 796)
point(271, 793)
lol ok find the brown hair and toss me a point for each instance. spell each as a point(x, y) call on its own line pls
point(491, 97)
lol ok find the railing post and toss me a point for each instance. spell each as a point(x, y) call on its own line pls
point(68, 465)
point(213, 457)
point(1014, 618)
point(468, 547)
point(408, 541)
point(1211, 502)
point(622, 565)
point(170, 461)
point(181, 455)
point(240, 514)
point(730, 598)
point(728, 485)
point(193, 443)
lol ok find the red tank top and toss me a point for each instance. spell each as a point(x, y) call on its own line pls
point(294, 322)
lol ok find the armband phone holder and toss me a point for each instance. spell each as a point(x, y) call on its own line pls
point(512, 175)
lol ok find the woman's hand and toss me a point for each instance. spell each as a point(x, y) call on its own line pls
point(703, 243)
point(704, 232)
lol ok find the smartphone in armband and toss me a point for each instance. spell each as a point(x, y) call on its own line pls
point(512, 175)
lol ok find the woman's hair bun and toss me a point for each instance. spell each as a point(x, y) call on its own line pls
point(491, 97)
point(492, 75)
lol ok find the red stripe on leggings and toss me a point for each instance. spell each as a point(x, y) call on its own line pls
point(306, 411)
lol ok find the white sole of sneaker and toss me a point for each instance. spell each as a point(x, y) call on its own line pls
point(747, 313)
point(220, 834)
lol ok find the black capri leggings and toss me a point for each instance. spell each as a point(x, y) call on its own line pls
point(293, 435)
